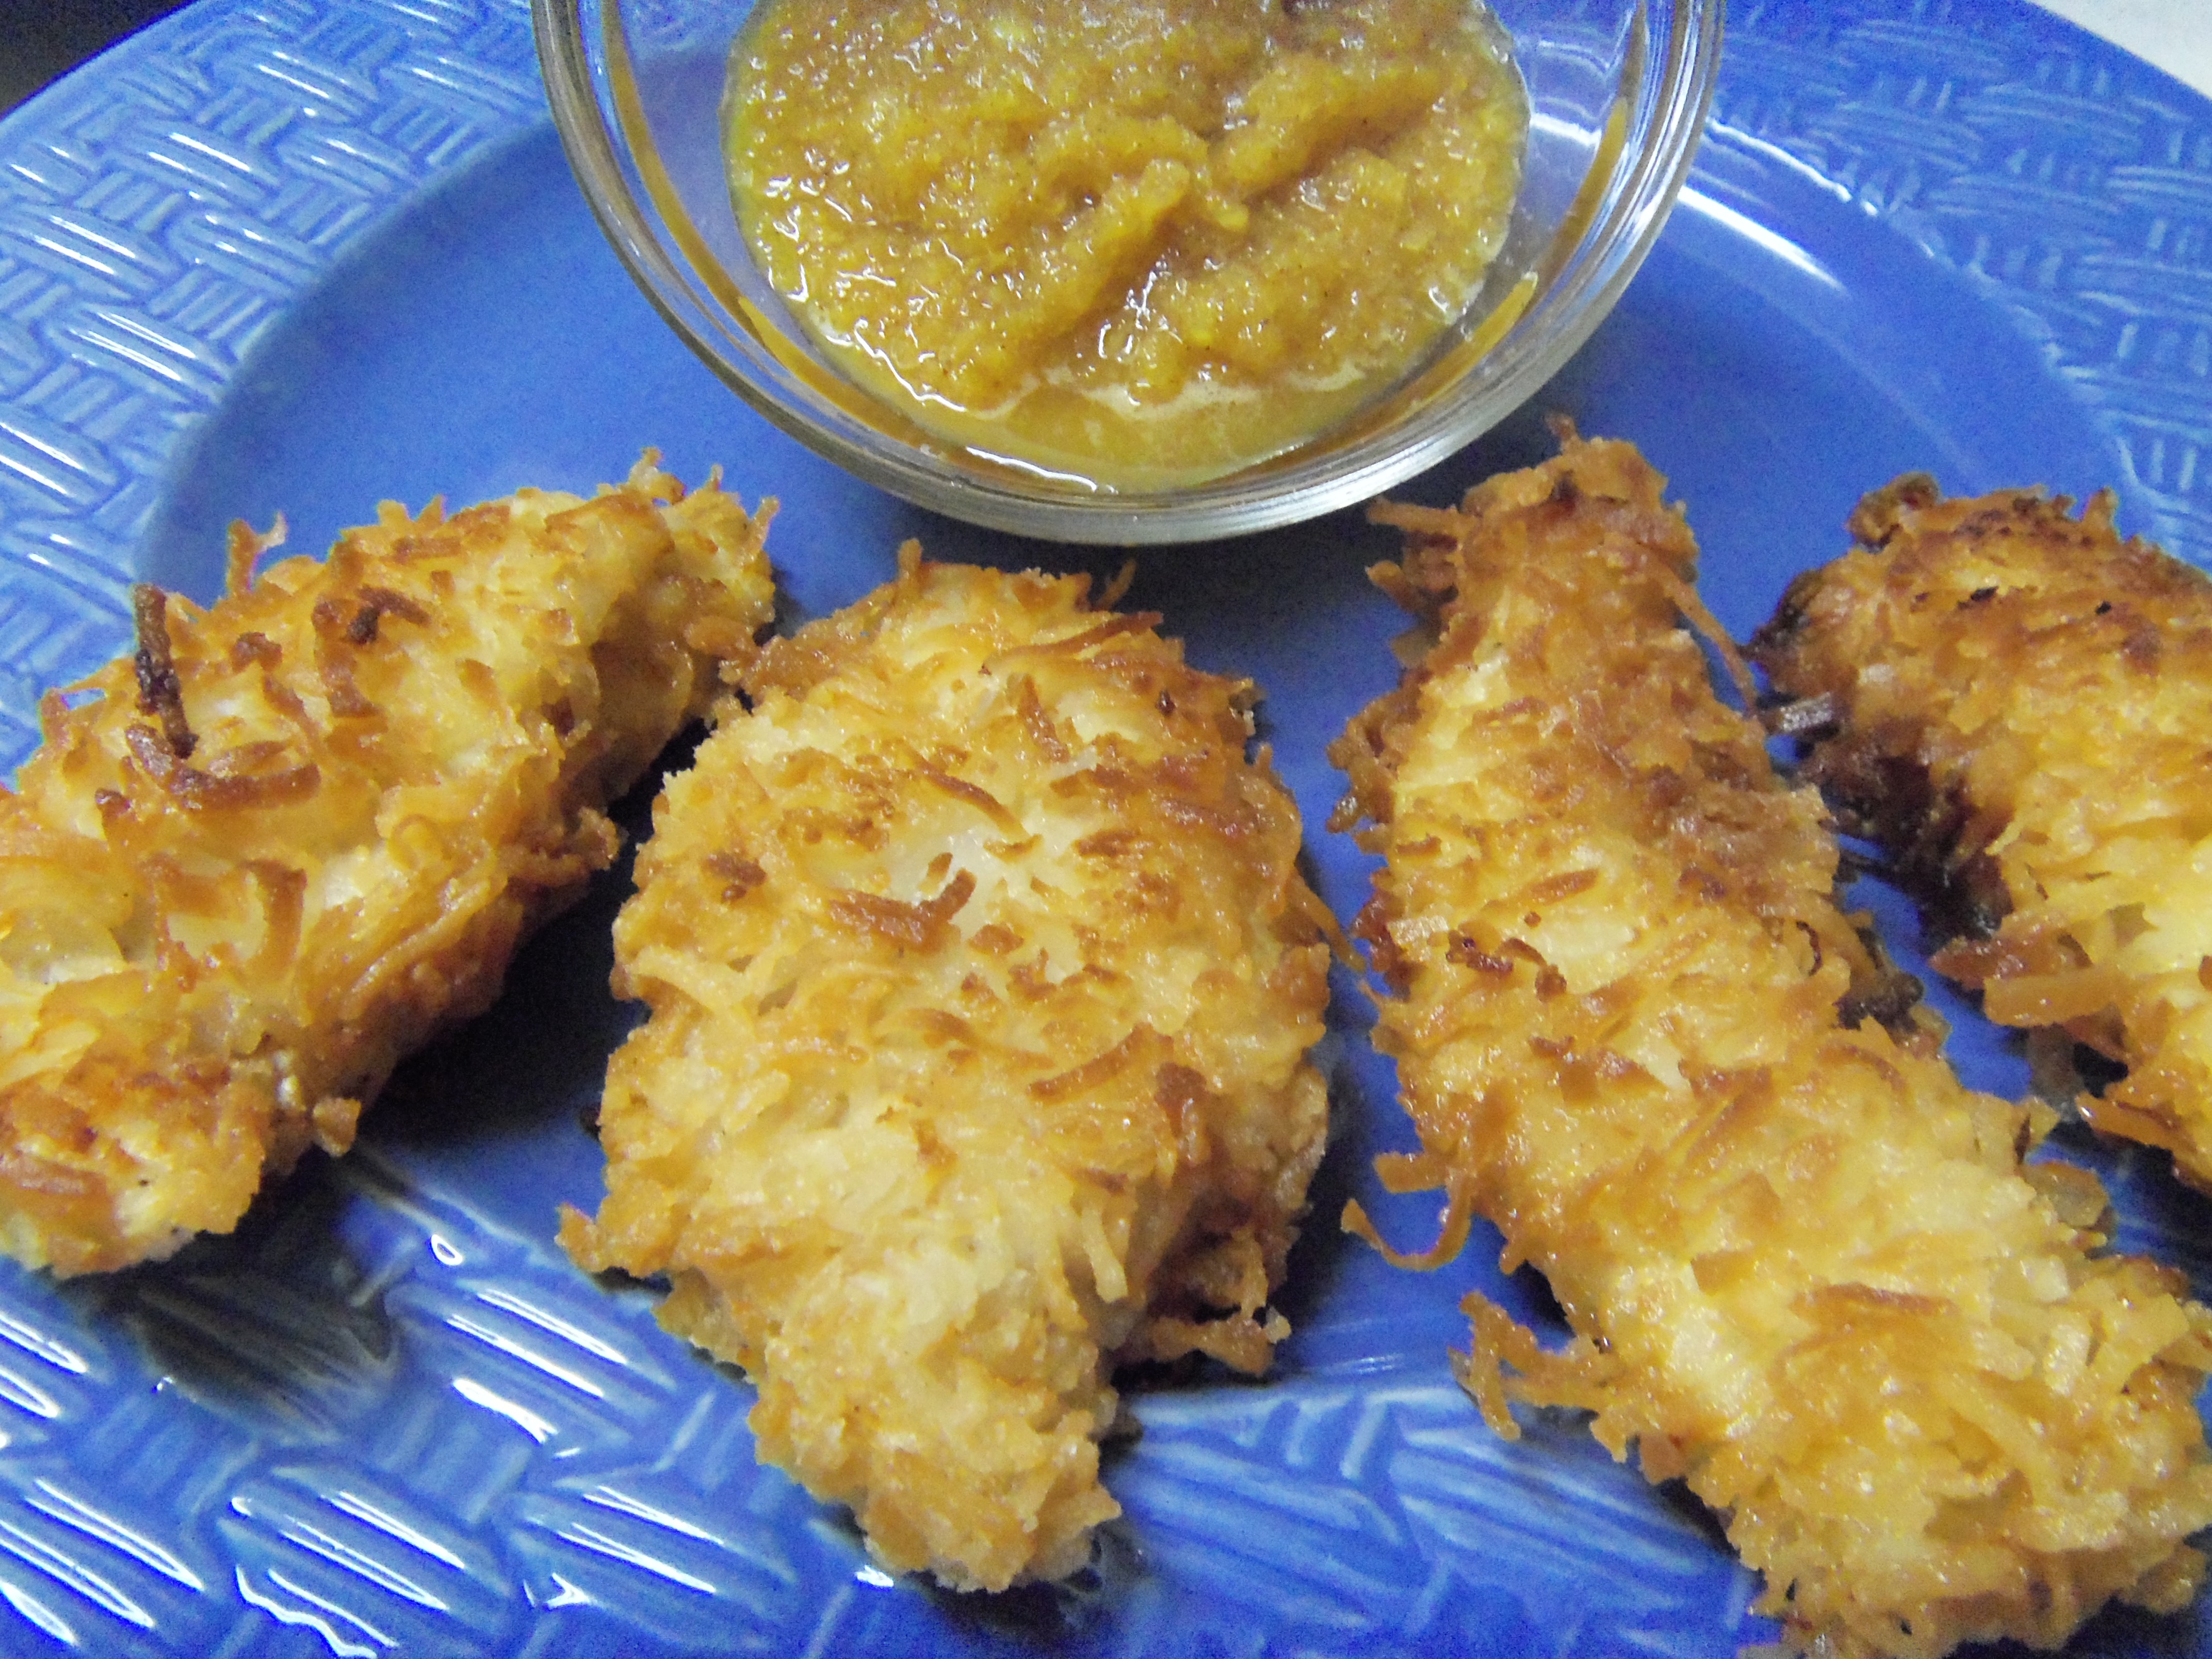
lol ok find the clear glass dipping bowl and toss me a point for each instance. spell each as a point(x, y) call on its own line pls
point(1618, 93)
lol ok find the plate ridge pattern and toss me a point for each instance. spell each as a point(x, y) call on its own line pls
point(153, 220)
point(2069, 182)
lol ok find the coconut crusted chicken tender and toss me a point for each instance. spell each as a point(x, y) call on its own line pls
point(1806, 1270)
point(982, 980)
point(304, 829)
point(2020, 704)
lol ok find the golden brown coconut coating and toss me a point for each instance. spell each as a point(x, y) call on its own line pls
point(305, 829)
point(2020, 703)
point(1805, 1268)
point(982, 980)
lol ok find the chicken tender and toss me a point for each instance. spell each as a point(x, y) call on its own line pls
point(250, 869)
point(2021, 704)
point(1806, 1270)
point(982, 980)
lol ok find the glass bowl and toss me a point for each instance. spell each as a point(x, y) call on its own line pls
point(1618, 93)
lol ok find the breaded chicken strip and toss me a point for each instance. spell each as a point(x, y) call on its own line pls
point(982, 979)
point(304, 829)
point(2021, 704)
point(1806, 1270)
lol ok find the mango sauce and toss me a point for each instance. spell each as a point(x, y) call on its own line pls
point(1138, 242)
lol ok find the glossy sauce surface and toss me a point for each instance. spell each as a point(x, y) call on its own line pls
point(1140, 241)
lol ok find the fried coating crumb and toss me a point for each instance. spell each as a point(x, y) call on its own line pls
point(253, 865)
point(982, 980)
point(1806, 1270)
point(2021, 706)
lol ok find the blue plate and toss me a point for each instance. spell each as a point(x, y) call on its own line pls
point(281, 256)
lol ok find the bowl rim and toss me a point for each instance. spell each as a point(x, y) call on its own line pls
point(1285, 490)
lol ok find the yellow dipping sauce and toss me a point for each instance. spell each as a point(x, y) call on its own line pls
point(1141, 242)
